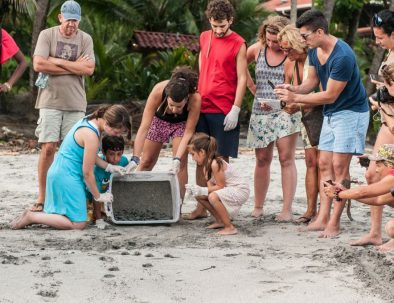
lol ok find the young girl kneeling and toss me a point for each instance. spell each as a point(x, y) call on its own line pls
point(226, 191)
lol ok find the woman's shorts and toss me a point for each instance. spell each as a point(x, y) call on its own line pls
point(264, 129)
point(344, 132)
point(161, 131)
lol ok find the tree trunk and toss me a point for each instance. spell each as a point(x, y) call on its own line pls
point(328, 8)
point(293, 11)
point(38, 25)
point(352, 27)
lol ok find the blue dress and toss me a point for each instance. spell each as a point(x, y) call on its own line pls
point(65, 189)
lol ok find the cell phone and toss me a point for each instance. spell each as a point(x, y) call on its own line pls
point(271, 84)
point(373, 77)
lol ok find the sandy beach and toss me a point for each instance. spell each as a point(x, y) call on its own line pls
point(185, 262)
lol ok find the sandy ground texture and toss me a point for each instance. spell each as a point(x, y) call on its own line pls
point(185, 262)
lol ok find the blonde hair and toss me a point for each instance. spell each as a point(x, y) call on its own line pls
point(272, 25)
point(292, 35)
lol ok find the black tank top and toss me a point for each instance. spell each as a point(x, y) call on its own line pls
point(171, 118)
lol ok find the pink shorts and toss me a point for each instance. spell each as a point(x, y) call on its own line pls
point(161, 131)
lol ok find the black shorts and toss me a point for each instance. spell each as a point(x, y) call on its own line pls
point(212, 124)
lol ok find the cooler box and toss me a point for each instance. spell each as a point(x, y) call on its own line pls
point(144, 198)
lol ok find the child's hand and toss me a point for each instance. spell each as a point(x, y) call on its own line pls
point(115, 169)
point(105, 198)
point(195, 190)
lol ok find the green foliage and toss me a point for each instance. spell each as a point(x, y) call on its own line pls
point(142, 73)
point(248, 18)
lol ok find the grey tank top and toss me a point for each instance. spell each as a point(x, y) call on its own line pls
point(265, 72)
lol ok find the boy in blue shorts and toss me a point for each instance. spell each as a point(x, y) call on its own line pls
point(112, 148)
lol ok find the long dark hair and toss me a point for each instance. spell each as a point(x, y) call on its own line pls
point(116, 116)
point(202, 141)
point(183, 82)
point(384, 20)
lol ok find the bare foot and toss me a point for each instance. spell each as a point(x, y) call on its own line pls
point(386, 246)
point(228, 231)
point(257, 212)
point(215, 225)
point(367, 240)
point(284, 217)
point(316, 226)
point(21, 221)
point(330, 232)
point(195, 215)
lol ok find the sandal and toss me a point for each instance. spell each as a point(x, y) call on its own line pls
point(303, 220)
point(37, 207)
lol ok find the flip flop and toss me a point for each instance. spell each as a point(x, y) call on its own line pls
point(303, 220)
point(37, 207)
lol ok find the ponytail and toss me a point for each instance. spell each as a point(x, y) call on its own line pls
point(202, 141)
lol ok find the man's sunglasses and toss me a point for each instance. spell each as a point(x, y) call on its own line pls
point(377, 21)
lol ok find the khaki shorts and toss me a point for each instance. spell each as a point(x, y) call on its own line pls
point(53, 125)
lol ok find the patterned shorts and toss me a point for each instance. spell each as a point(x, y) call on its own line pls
point(264, 129)
point(161, 131)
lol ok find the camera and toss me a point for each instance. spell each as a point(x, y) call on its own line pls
point(383, 96)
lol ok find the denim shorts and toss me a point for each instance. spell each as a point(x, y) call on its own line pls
point(228, 141)
point(344, 132)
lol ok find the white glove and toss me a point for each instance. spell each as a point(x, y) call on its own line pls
point(101, 224)
point(231, 120)
point(134, 161)
point(105, 198)
point(115, 169)
point(176, 165)
point(195, 190)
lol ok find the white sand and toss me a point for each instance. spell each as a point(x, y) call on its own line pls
point(185, 262)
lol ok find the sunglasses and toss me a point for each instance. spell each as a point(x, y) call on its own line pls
point(286, 50)
point(377, 21)
point(306, 35)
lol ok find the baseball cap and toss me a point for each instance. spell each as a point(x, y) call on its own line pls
point(71, 10)
point(385, 153)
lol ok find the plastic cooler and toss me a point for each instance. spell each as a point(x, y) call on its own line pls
point(144, 198)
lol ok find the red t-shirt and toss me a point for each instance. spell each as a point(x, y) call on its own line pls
point(9, 47)
point(217, 83)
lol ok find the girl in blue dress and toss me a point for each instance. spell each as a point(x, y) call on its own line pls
point(73, 170)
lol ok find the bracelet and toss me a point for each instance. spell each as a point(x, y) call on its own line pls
point(9, 87)
point(336, 194)
point(135, 159)
point(176, 158)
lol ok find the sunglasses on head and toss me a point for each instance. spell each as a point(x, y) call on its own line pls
point(377, 21)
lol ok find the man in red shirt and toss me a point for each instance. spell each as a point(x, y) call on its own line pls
point(10, 49)
point(222, 84)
